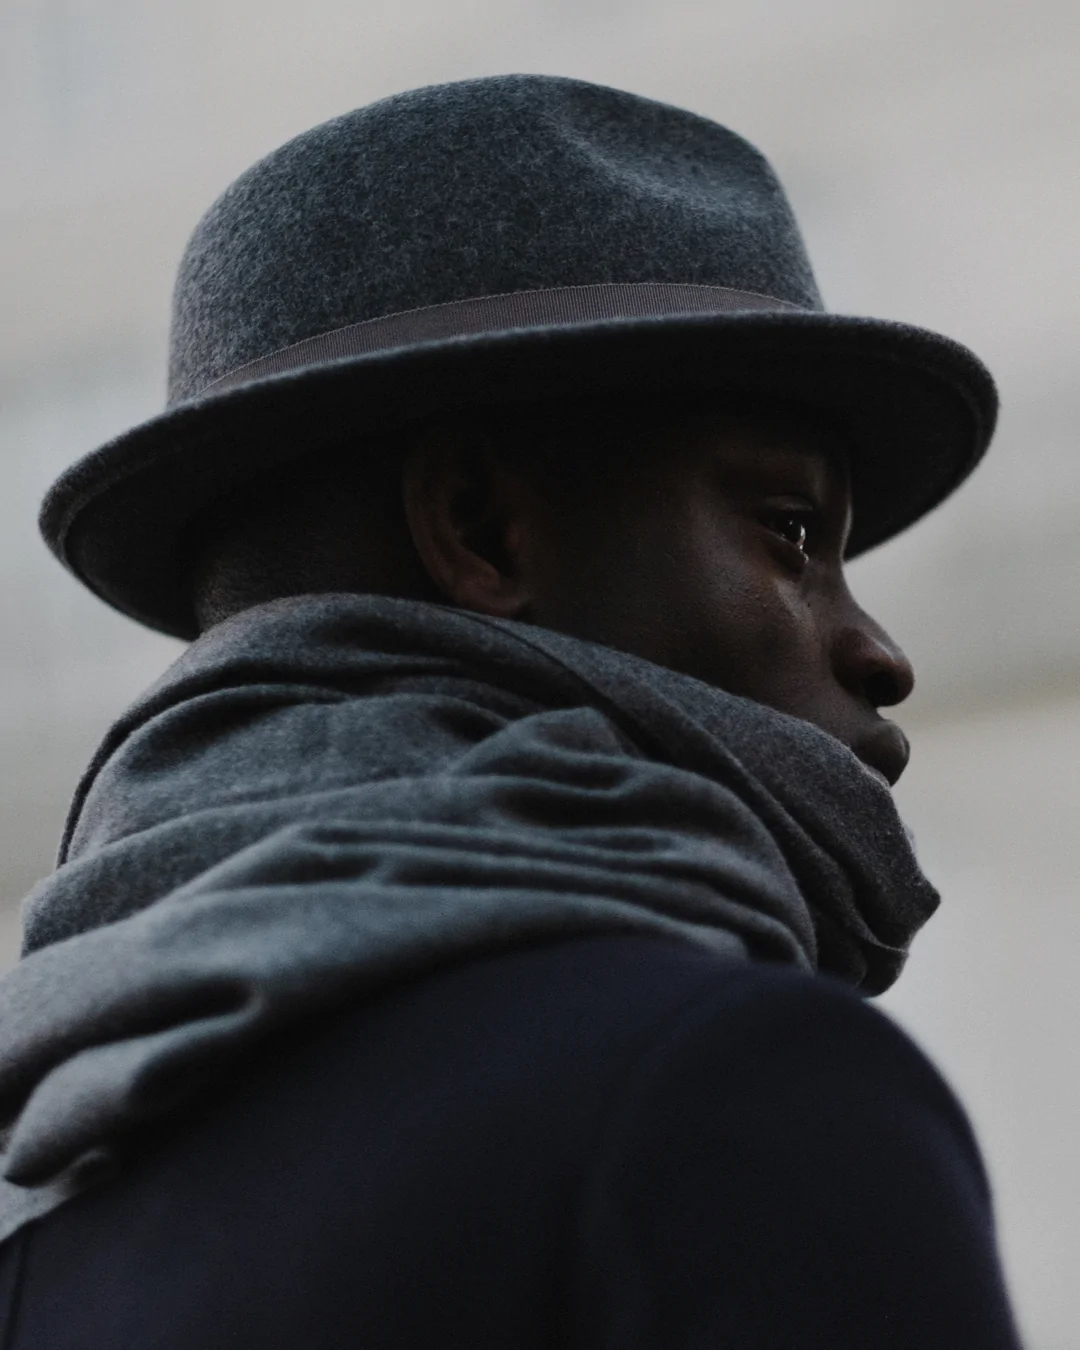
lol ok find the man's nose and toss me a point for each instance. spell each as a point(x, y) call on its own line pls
point(871, 665)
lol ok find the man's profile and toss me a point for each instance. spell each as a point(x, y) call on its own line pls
point(463, 942)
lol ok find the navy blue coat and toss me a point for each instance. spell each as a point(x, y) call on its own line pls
point(619, 1143)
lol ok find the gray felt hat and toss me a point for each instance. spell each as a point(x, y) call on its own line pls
point(497, 240)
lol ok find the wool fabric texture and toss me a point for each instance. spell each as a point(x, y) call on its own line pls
point(499, 187)
point(328, 795)
point(657, 185)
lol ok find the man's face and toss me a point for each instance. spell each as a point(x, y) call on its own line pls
point(718, 552)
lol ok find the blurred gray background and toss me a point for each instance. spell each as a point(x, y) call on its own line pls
point(930, 148)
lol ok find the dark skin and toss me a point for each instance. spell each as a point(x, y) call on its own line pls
point(718, 553)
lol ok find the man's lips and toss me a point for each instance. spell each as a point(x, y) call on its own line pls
point(884, 751)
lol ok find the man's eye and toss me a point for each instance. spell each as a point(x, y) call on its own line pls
point(790, 525)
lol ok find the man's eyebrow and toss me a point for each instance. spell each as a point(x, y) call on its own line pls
point(822, 470)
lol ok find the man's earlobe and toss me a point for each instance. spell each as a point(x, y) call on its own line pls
point(465, 526)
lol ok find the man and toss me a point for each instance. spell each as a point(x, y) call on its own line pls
point(460, 944)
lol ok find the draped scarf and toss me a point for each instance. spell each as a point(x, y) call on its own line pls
point(329, 795)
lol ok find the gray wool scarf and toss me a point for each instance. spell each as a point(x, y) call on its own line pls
point(329, 795)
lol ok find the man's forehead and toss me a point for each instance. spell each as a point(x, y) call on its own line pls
point(784, 441)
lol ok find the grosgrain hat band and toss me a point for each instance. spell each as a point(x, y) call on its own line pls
point(558, 305)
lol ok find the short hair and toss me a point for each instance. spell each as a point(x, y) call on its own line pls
point(306, 525)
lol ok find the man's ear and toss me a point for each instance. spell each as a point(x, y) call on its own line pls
point(471, 523)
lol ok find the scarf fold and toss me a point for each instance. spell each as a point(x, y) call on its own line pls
point(328, 795)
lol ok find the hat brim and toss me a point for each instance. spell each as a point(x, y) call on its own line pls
point(918, 410)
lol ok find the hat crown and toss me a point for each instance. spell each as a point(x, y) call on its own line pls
point(511, 183)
